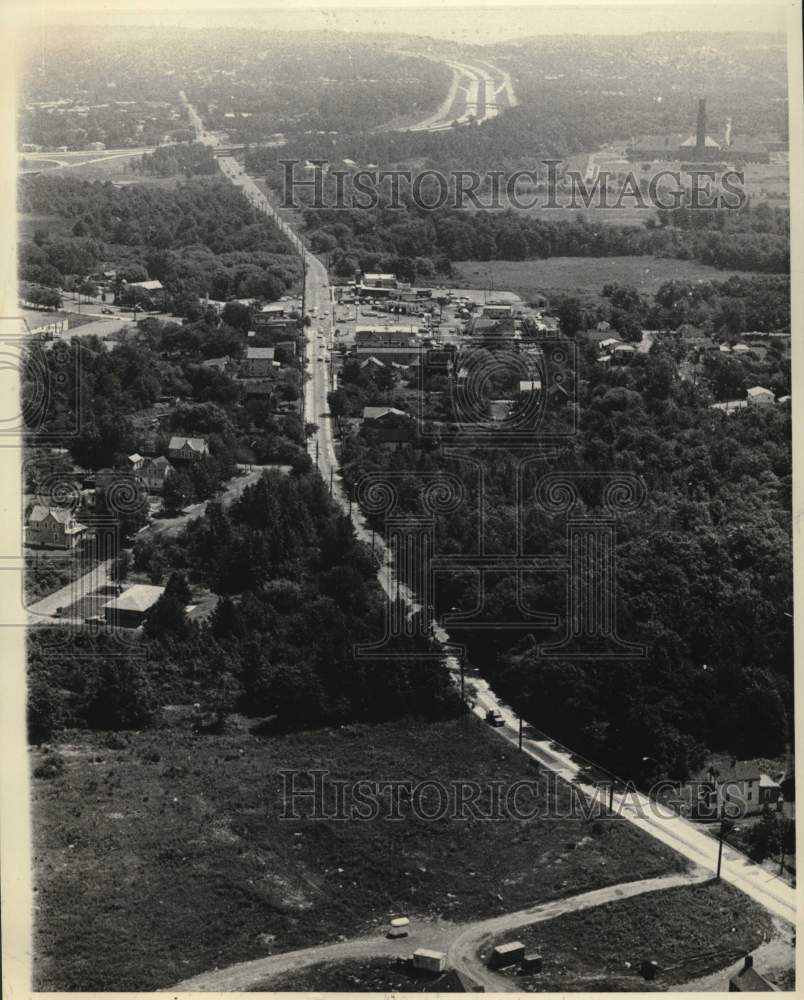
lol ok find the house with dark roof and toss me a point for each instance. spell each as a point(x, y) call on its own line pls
point(53, 528)
point(743, 785)
point(748, 980)
point(187, 449)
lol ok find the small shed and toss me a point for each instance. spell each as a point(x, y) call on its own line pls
point(505, 955)
point(429, 961)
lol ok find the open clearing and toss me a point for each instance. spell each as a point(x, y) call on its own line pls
point(581, 275)
point(168, 857)
point(690, 931)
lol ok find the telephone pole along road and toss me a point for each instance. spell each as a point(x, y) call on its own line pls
point(660, 822)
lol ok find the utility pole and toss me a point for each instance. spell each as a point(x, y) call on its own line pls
point(520, 732)
point(611, 796)
point(331, 471)
point(720, 845)
point(316, 452)
point(463, 697)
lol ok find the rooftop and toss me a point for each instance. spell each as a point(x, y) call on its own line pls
point(140, 597)
point(197, 444)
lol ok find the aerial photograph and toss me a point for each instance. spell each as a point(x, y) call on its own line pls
point(406, 498)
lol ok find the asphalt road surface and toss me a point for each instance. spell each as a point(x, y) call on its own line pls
point(687, 838)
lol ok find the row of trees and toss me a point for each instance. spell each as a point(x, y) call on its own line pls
point(423, 241)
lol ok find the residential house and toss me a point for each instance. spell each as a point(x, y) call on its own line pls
point(146, 286)
point(390, 355)
point(389, 424)
point(748, 980)
point(53, 528)
point(154, 473)
point(742, 786)
point(757, 396)
point(130, 608)
point(378, 414)
point(259, 390)
point(258, 362)
point(622, 353)
point(187, 449)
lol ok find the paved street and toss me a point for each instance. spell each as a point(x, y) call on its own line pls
point(66, 596)
point(691, 841)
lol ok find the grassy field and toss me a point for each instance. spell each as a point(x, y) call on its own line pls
point(164, 855)
point(690, 931)
point(581, 275)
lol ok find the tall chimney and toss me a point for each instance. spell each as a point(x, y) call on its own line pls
point(728, 132)
point(700, 139)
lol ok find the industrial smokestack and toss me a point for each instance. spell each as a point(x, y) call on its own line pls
point(700, 136)
point(728, 132)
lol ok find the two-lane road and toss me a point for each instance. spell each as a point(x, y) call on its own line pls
point(683, 836)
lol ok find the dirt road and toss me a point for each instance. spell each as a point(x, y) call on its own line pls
point(460, 941)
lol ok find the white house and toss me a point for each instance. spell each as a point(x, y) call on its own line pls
point(53, 528)
point(757, 396)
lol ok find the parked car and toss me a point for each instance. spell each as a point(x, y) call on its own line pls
point(494, 719)
point(107, 311)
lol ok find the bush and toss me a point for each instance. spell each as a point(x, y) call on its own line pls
point(122, 698)
point(51, 767)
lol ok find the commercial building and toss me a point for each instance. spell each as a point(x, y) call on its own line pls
point(131, 607)
point(701, 147)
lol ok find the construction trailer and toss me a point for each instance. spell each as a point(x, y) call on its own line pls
point(429, 961)
point(505, 955)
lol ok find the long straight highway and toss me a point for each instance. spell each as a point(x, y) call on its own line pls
point(684, 836)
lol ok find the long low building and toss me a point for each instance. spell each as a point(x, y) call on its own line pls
point(131, 607)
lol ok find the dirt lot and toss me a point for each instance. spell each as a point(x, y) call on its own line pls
point(164, 856)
